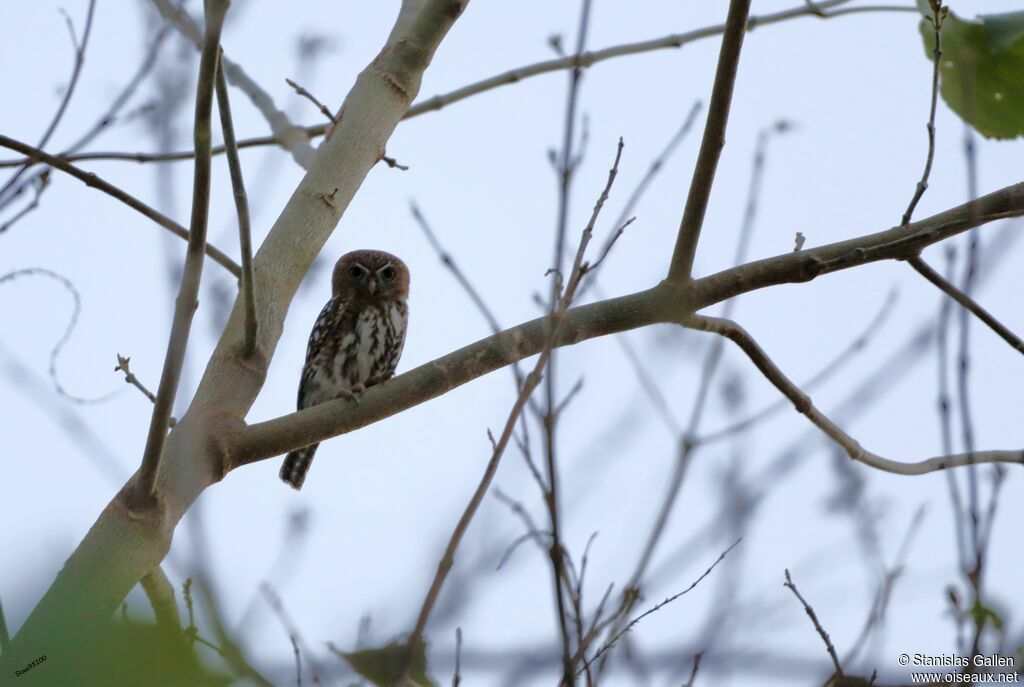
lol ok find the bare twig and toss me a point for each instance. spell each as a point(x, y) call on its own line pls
point(938, 14)
point(242, 208)
point(817, 625)
point(313, 99)
point(274, 601)
point(457, 678)
point(945, 422)
point(283, 132)
point(94, 181)
point(803, 405)
point(145, 496)
point(968, 303)
point(555, 321)
point(107, 119)
point(511, 76)
point(39, 185)
point(842, 358)
point(696, 666)
point(298, 661)
point(568, 161)
point(62, 108)
point(123, 365)
point(711, 144)
point(657, 607)
point(160, 593)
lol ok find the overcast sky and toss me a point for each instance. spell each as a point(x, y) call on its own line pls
point(381, 502)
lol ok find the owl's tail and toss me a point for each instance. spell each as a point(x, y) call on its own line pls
point(296, 465)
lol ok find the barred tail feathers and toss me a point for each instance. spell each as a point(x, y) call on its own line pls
point(296, 465)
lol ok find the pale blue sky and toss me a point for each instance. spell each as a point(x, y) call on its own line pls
point(382, 501)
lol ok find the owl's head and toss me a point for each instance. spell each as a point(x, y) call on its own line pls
point(370, 274)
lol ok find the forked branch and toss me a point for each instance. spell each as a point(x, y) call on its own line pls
point(144, 497)
point(711, 144)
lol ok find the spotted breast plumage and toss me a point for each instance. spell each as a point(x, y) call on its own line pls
point(356, 341)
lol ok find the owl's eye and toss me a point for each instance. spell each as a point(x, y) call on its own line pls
point(388, 273)
point(355, 271)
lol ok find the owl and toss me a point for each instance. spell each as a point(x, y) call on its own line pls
point(356, 341)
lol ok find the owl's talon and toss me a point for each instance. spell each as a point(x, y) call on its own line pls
point(352, 393)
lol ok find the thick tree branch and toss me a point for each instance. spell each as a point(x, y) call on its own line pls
point(241, 207)
point(134, 203)
point(664, 303)
point(185, 307)
point(711, 144)
point(897, 243)
point(512, 76)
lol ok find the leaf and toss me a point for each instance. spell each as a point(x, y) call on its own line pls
point(383, 666)
point(982, 69)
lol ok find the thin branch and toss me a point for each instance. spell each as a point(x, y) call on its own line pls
point(62, 108)
point(803, 405)
point(554, 323)
point(657, 607)
point(242, 209)
point(39, 185)
point(145, 496)
point(123, 365)
point(457, 678)
point(830, 368)
point(160, 593)
point(90, 179)
point(817, 625)
point(968, 303)
point(312, 98)
point(938, 14)
point(513, 76)
point(108, 118)
point(711, 144)
point(568, 162)
point(298, 661)
point(283, 132)
point(697, 657)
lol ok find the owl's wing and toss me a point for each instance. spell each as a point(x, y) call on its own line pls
point(325, 324)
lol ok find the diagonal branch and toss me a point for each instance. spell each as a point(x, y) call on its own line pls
point(134, 203)
point(711, 144)
point(802, 403)
point(817, 624)
point(664, 303)
point(925, 270)
point(145, 496)
point(241, 207)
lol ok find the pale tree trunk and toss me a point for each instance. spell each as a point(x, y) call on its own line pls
point(120, 549)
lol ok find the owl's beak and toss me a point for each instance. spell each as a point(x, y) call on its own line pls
point(371, 286)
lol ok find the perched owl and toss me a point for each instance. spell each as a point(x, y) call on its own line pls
point(356, 340)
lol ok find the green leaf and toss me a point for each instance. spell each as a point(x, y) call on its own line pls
point(1003, 29)
point(383, 666)
point(982, 70)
